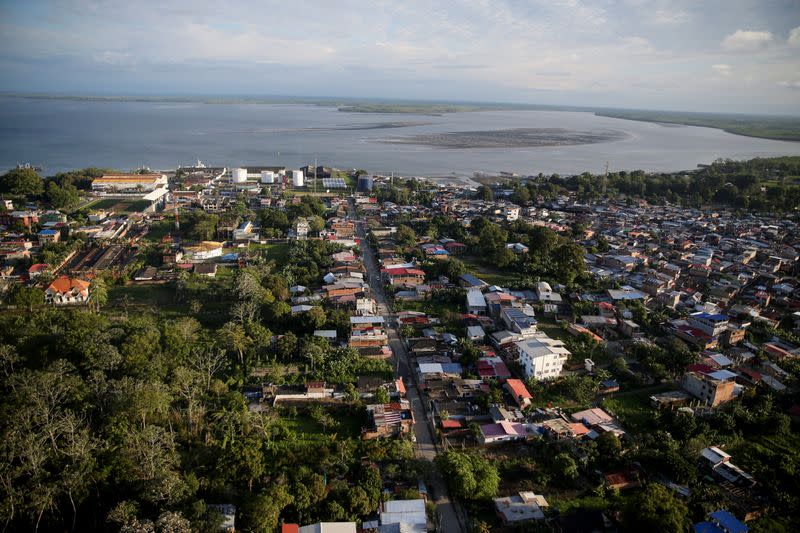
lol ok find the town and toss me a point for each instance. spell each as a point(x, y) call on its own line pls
point(262, 348)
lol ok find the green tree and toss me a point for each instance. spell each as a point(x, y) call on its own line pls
point(655, 509)
point(62, 197)
point(21, 181)
point(470, 477)
point(98, 292)
point(261, 512)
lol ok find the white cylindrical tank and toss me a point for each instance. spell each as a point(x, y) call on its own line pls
point(297, 178)
point(239, 175)
point(267, 176)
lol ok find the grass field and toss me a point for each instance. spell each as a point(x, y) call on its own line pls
point(158, 230)
point(633, 408)
point(119, 205)
point(486, 271)
point(279, 252)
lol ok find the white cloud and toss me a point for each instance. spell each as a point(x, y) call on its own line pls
point(794, 37)
point(670, 16)
point(790, 84)
point(746, 40)
point(722, 69)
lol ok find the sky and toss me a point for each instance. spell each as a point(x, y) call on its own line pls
point(693, 55)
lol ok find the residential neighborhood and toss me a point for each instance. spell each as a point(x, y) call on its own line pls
point(414, 355)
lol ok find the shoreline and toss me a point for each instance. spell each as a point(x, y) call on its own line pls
point(770, 127)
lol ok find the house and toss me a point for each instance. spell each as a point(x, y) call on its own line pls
point(405, 277)
point(37, 269)
point(720, 522)
point(518, 392)
point(468, 281)
point(520, 508)
point(301, 228)
point(388, 419)
point(476, 303)
point(628, 478)
point(409, 515)
point(545, 294)
point(518, 321)
point(67, 291)
point(712, 390)
point(541, 357)
point(475, 333)
point(329, 527)
point(48, 235)
point(712, 325)
point(719, 464)
point(503, 431)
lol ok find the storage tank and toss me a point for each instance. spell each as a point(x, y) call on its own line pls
point(267, 176)
point(297, 178)
point(239, 175)
point(365, 183)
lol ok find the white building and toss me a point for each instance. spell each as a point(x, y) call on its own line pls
point(202, 251)
point(476, 302)
point(541, 357)
point(711, 324)
point(124, 182)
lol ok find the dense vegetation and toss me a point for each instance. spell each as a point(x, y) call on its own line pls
point(757, 184)
point(768, 127)
point(129, 419)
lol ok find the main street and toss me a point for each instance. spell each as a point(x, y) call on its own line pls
point(450, 514)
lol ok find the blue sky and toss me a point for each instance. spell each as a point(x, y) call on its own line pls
point(726, 55)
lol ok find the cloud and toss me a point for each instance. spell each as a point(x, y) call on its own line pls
point(722, 69)
point(794, 37)
point(790, 84)
point(669, 16)
point(746, 40)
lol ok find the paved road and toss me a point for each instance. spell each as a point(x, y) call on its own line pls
point(450, 513)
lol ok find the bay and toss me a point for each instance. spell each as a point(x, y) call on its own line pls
point(61, 135)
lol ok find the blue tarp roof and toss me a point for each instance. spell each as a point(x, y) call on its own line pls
point(451, 368)
point(706, 527)
point(729, 523)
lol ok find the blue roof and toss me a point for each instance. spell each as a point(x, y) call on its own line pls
point(472, 280)
point(729, 523)
point(708, 316)
point(706, 527)
point(48, 232)
point(610, 383)
point(451, 368)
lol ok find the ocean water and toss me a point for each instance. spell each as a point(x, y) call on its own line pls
point(60, 135)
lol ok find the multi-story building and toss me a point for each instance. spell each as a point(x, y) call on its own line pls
point(711, 324)
point(711, 390)
point(541, 357)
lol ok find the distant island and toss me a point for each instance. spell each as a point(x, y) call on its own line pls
point(765, 127)
point(780, 128)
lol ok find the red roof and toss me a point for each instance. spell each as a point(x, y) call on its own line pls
point(701, 368)
point(64, 284)
point(401, 387)
point(452, 424)
point(290, 528)
point(518, 388)
point(404, 271)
